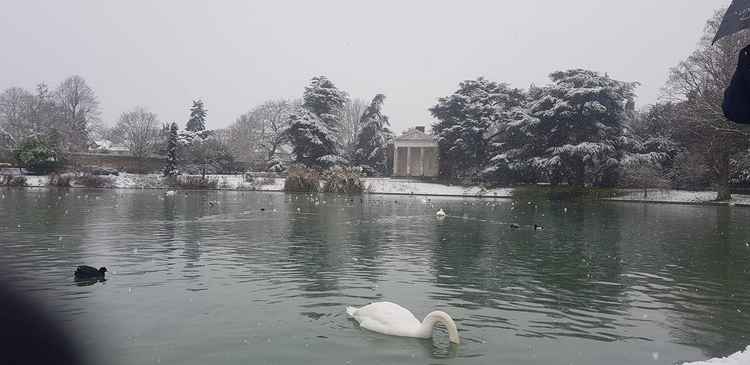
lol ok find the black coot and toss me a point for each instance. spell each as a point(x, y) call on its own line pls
point(88, 272)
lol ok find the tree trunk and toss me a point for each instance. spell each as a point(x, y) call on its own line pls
point(722, 178)
point(579, 177)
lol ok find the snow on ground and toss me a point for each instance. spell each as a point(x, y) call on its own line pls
point(740, 358)
point(679, 196)
point(36, 181)
point(238, 182)
point(415, 187)
point(139, 181)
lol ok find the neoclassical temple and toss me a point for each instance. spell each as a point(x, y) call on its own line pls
point(415, 154)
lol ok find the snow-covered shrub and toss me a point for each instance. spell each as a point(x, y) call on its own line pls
point(343, 180)
point(188, 182)
point(61, 180)
point(12, 180)
point(94, 181)
point(302, 180)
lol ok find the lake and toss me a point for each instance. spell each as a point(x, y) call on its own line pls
point(191, 283)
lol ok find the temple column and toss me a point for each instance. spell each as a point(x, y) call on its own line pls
point(421, 161)
point(395, 159)
point(408, 161)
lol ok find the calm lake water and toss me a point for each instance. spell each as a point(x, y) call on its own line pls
point(610, 283)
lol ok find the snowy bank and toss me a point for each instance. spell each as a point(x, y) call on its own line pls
point(239, 182)
point(740, 358)
point(415, 187)
point(681, 197)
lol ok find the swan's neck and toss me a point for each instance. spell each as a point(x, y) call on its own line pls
point(440, 317)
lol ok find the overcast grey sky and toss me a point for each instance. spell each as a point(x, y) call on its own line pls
point(237, 54)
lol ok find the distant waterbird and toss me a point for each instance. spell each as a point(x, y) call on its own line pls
point(441, 213)
point(170, 193)
point(394, 320)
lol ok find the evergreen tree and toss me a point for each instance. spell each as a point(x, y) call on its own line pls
point(372, 139)
point(313, 128)
point(573, 130)
point(312, 140)
point(466, 122)
point(171, 168)
point(197, 121)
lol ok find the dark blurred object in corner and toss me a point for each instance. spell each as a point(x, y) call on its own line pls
point(736, 19)
point(29, 335)
point(737, 96)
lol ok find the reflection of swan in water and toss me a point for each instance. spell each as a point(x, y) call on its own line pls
point(395, 320)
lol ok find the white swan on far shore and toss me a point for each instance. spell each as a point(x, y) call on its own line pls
point(440, 213)
point(395, 320)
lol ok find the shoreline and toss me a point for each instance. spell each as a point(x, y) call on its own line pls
point(400, 187)
point(680, 197)
point(373, 186)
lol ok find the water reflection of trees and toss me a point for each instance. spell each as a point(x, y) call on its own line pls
point(572, 266)
point(710, 296)
point(315, 245)
point(333, 238)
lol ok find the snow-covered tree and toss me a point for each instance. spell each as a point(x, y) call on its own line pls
point(260, 133)
point(78, 110)
point(197, 121)
point(350, 117)
point(466, 121)
point(139, 129)
point(14, 124)
point(193, 149)
point(370, 146)
point(171, 168)
point(314, 128)
point(323, 99)
point(573, 130)
point(61, 120)
point(313, 141)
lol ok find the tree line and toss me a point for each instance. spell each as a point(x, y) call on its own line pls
point(323, 129)
point(582, 128)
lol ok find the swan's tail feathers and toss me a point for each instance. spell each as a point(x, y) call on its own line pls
point(351, 311)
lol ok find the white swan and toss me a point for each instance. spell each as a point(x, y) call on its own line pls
point(170, 193)
point(440, 213)
point(395, 320)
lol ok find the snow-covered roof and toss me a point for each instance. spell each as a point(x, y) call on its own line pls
point(415, 135)
point(103, 144)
